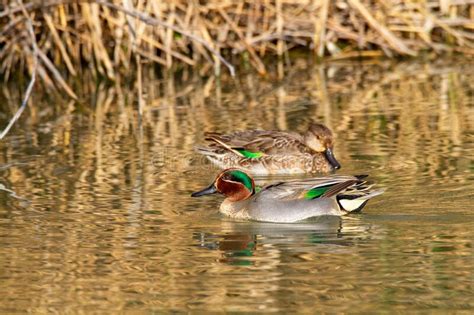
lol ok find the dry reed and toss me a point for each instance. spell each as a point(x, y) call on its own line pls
point(111, 37)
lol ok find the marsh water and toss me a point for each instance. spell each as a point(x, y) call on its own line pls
point(96, 214)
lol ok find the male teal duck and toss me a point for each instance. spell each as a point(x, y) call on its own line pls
point(291, 201)
point(262, 152)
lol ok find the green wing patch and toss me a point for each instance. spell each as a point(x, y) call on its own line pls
point(249, 154)
point(316, 192)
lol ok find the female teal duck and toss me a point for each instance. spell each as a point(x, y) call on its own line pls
point(263, 152)
point(290, 201)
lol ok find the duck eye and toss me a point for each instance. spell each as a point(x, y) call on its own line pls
point(230, 178)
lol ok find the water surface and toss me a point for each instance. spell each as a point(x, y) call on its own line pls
point(95, 213)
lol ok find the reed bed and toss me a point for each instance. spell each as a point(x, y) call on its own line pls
point(110, 37)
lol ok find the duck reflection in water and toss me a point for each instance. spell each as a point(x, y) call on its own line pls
point(241, 242)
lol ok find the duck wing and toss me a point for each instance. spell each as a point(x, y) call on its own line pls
point(255, 143)
point(350, 192)
point(309, 188)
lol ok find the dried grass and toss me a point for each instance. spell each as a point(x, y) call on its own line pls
point(112, 37)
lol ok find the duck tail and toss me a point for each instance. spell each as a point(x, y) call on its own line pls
point(355, 203)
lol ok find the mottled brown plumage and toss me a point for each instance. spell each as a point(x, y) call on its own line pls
point(273, 152)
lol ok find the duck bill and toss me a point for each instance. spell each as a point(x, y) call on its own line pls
point(332, 159)
point(206, 191)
